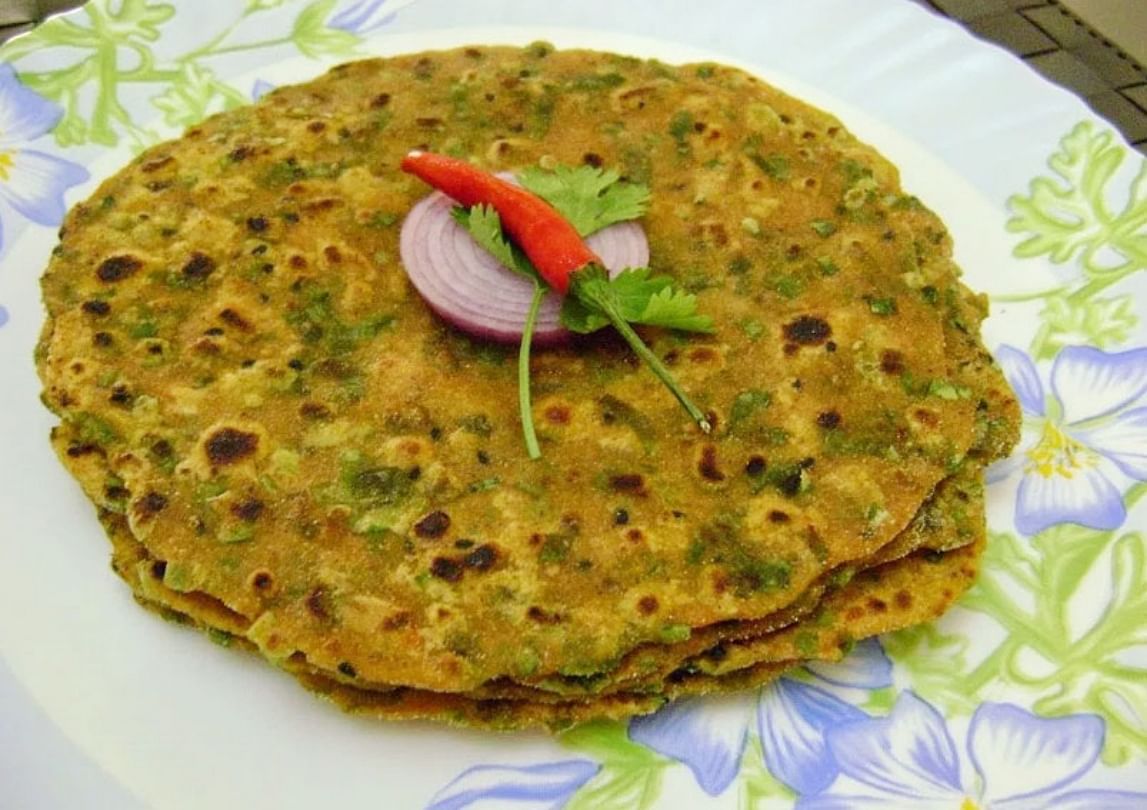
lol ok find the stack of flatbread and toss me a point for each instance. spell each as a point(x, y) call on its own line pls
point(288, 449)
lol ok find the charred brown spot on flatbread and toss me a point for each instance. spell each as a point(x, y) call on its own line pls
point(230, 445)
point(248, 509)
point(117, 268)
point(808, 330)
point(198, 267)
point(151, 504)
point(433, 525)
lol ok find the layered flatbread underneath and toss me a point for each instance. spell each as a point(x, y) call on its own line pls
point(827, 619)
point(876, 601)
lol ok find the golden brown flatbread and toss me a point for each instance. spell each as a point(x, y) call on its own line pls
point(304, 455)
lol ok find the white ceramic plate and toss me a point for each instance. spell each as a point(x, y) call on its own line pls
point(1032, 693)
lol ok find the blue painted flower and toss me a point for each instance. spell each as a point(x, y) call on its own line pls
point(1018, 760)
point(260, 88)
point(547, 786)
point(31, 183)
point(709, 735)
point(1084, 441)
point(365, 16)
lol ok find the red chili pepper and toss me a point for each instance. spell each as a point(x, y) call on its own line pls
point(552, 244)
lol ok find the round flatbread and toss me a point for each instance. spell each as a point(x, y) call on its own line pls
point(289, 431)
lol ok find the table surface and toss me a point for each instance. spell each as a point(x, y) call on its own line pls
point(1090, 47)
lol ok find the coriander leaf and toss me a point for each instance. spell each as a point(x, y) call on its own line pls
point(581, 318)
point(637, 296)
point(745, 404)
point(588, 197)
point(485, 226)
point(674, 309)
point(632, 288)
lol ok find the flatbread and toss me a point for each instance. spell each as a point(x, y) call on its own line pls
point(315, 462)
point(643, 668)
point(879, 600)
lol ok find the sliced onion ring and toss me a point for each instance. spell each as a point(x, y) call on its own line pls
point(470, 289)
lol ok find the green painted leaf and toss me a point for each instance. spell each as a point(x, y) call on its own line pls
point(880, 701)
point(759, 788)
point(936, 663)
point(1120, 692)
point(72, 129)
point(1122, 707)
point(186, 101)
point(1064, 667)
point(93, 63)
point(314, 38)
point(1070, 214)
point(1100, 322)
point(607, 740)
point(57, 31)
point(630, 777)
point(1074, 550)
point(1008, 554)
point(132, 19)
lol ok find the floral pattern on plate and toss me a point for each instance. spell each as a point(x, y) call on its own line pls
point(909, 759)
point(1084, 440)
point(32, 182)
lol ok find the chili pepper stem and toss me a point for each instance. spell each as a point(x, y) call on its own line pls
point(653, 361)
point(525, 409)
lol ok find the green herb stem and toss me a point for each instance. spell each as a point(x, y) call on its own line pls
point(1023, 298)
point(524, 406)
point(646, 354)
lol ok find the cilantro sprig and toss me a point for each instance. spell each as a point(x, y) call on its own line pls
point(640, 297)
point(485, 226)
point(591, 199)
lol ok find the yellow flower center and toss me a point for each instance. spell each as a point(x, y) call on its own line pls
point(969, 804)
point(5, 165)
point(1056, 453)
